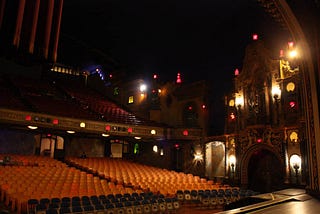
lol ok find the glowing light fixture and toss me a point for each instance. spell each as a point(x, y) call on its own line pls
point(232, 116)
point(198, 156)
point(55, 121)
point(137, 138)
point(130, 130)
point(82, 125)
point(108, 128)
point(294, 137)
point(232, 160)
point(276, 92)
point(185, 132)
point(28, 117)
point(155, 148)
point(290, 87)
point(295, 161)
point(281, 53)
point(236, 72)
point(290, 44)
point(293, 54)
point(71, 132)
point(179, 78)
point(143, 87)
point(231, 103)
point(32, 127)
point(239, 100)
point(153, 131)
point(105, 135)
point(255, 36)
point(292, 104)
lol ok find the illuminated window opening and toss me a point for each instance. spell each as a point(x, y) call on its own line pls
point(136, 148)
point(116, 91)
point(130, 99)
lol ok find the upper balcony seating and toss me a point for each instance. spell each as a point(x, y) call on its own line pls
point(110, 111)
point(68, 99)
point(46, 98)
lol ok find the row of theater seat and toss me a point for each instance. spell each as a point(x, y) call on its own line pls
point(20, 182)
point(102, 177)
point(110, 204)
point(143, 177)
point(220, 197)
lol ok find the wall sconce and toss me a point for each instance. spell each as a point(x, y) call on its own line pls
point(239, 100)
point(161, 152)
point(295, 162)
point(198, 156)
point(232, 162)
point(276, 92)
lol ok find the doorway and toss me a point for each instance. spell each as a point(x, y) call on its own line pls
point(265, 172)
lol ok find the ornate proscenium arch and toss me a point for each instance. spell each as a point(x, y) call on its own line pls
point(244, 162)
point(309, 65)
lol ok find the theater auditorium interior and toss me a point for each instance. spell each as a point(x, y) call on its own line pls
point(70, 144)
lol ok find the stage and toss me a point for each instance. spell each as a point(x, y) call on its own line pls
point(288, 201)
